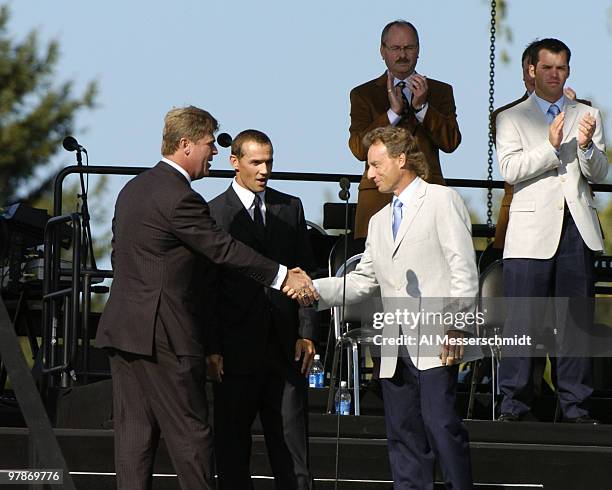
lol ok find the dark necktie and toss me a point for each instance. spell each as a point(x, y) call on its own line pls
point(407, 108)
point(257, 216)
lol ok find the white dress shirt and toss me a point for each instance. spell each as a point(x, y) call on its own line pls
point(247, 198)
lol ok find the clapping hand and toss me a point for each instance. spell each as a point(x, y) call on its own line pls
point(586, 128)
point(555, 131)
point(419, 89)
point(298, 286)
point(396, 101)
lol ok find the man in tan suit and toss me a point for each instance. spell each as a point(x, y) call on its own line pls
point(418, 252)
point(401, 97)
point(549, 147)
point(528, 57)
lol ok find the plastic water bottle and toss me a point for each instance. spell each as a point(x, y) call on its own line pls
point(343, 400)
point(315, 376)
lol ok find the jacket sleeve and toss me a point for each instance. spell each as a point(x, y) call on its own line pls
point(362, 121)
point(192, 223)
point(440, 121)
point(516, 163)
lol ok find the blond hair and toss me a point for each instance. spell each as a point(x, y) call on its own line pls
point(189, 122)
point(398, 141)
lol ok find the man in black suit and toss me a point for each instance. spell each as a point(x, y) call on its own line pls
point(152, 325)
point(261, 345)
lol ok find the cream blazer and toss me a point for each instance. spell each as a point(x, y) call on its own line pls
point(431, 261)
point(543, 180)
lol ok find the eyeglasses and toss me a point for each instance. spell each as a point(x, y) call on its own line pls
point(408, 49)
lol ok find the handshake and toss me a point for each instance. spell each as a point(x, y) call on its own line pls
point(297, 285)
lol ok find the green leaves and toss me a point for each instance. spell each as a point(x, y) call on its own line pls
point(36, 112)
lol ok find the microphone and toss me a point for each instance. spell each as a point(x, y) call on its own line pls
point(71, 144)
point(224, 140)
point(345, 185)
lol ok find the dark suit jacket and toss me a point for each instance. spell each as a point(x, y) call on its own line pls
point(439, 131)
point(249, 317)
point(160, 227)
point(504, 210)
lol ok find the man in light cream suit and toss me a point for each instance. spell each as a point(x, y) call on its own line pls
point(419, 253)
point(549, 147)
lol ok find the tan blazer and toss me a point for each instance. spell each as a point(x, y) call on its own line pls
point(432, 258)
point(501, 224)
point(543, 181)
point(439, 131)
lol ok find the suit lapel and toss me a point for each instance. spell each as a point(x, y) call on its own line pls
point(535, 118)
point(409, 214)
point(571, 117)
point(241, 216)
point(273, 209)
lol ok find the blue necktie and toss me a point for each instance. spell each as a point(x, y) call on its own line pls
point(397, 216)
point(553, 111)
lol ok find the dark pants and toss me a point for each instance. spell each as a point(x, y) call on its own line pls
point(567, 276)
point(278, 393)
point(162, 394)
point(422, 426)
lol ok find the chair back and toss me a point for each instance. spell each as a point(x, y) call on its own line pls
point(491, 297)
point(351, 313)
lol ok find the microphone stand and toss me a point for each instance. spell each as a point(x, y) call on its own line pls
point(87, 244)
point(344, 195)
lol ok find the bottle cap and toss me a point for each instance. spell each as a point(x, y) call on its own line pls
point(342, 384)
point(317, 357)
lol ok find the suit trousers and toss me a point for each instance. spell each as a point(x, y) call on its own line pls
point(278, 393)
point(568, 276)
point(422, 426)
point(161, 394)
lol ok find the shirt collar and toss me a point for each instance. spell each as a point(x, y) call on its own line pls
point(246, 196)
point(545, 105)
point(405, 80)
point(177, 167)
point(407, 193)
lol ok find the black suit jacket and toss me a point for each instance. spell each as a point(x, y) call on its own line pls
point(160, 228)
point(250, 319)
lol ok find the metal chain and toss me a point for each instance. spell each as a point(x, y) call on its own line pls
point(491, 101)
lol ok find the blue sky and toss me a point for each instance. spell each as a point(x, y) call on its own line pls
point(287, 68)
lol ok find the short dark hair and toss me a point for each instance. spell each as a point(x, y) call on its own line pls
point(398, 22)
point(249, 135)
point(550, 44)
point(528, 52)
point(398, 141)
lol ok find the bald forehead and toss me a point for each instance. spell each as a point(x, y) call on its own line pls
point(399, 29)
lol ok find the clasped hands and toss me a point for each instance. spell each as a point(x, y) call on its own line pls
point(297, 285)
point(417, 85)
point(586, 129)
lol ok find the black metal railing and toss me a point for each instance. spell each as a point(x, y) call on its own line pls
point(76, 299)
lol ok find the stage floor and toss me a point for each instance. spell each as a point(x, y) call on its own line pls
point(505, 455)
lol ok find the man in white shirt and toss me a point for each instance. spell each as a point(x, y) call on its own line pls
point(404, 98)
point(418, 252)
point(549, 148)
point(259, 343)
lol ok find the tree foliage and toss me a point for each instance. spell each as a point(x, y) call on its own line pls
point(35, 112)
